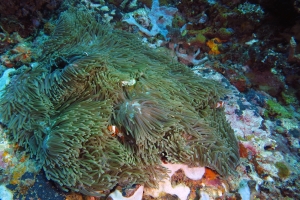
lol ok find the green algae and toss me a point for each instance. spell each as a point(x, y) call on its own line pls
point(283, 170)
point(274, 109)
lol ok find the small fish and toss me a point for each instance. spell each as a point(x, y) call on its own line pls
point(220, 104)
point(115, 132)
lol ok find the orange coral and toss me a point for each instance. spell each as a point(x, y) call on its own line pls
point(213, 45)
point(17, 174)
point(23, 158)
point(243, 151)
point(19, 54)
point(210, 174)
point(258, 168)
point(22, 53)
point(6, 157)
point(6, 61)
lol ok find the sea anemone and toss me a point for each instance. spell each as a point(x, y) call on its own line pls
point(91, 78)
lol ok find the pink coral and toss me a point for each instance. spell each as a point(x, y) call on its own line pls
point(190, 58)
point(3, 165)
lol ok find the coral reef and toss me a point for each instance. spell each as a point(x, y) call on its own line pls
point(254, 44)
point(25, 16)
point(90, 79)
point(269, 161)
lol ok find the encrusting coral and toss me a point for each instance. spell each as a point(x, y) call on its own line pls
point(91, 78)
